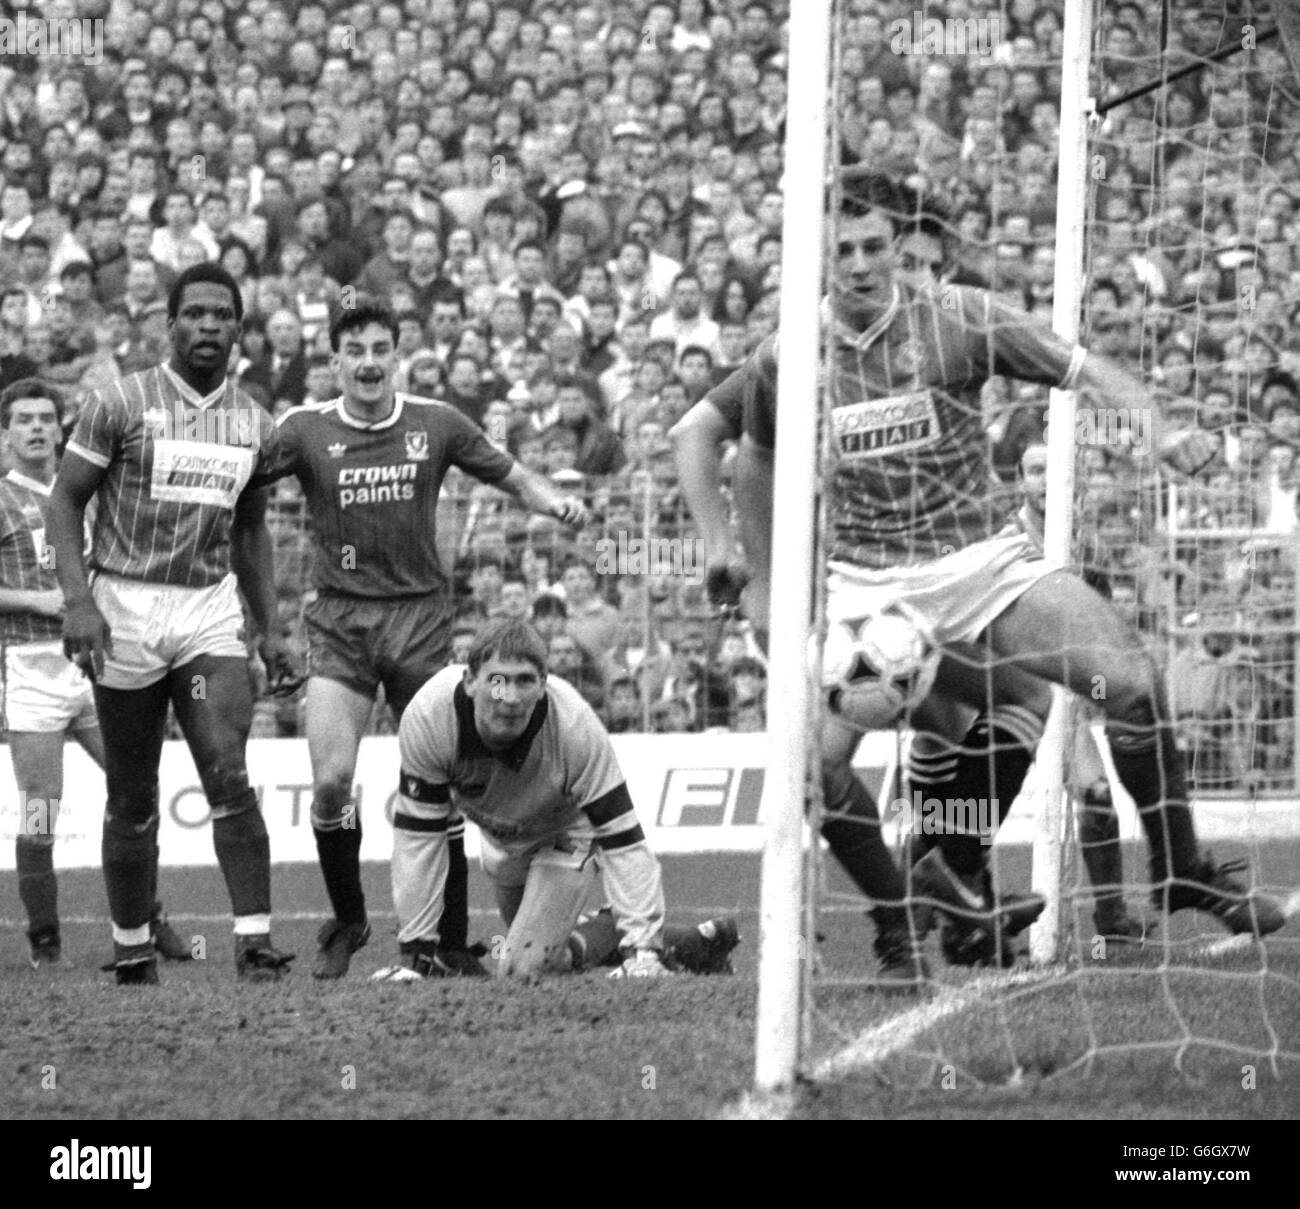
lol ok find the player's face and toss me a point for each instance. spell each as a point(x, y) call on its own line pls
point(33, 431)
point(205, 327)
point(504, 693)
point(1033, 477)
point(864, 267)
point(364, 365)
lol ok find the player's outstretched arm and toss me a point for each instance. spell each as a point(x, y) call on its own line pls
point(86, 635)
point(697, 443)
point(1112, 385)
point(541, 495)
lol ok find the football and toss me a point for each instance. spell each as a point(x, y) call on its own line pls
point(877, 670)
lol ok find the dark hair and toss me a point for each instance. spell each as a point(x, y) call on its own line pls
point(548, 604)
point(28, 388)
point(509, 641)
point(233, 241)
point(368, 309)
point(863, 190)
point(77, 268)
point(204, 272)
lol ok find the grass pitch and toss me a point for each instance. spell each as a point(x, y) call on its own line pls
point(1169, 1031)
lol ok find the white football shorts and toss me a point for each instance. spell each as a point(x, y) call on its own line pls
point(42, 692)
point(956, 597)
point(156, 627)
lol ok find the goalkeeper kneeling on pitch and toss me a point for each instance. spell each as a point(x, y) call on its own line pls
point(524, 757)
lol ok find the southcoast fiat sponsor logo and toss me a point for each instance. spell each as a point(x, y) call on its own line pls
point(190, 472)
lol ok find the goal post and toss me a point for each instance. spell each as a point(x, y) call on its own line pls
point(1058, 523)
point(781, 954)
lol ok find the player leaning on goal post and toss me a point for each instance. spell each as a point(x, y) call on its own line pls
point(916, 521)
point(43, 697)
point(167, 454)
point(526, 759)
point(371, 464)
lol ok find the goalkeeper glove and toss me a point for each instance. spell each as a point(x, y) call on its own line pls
point(644, 963)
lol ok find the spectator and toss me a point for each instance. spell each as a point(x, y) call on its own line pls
point(282, 372)
point(684, 323)
point(592, 621)
point(599, 450)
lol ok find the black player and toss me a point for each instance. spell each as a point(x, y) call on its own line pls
point(168, 454)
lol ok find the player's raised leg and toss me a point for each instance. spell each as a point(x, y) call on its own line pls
point(336, 720)
point(1063, 630)
point(213, 700)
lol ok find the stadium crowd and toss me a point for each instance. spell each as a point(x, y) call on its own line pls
point(575, 209)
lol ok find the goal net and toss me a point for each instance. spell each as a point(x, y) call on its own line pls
point(1188, 204)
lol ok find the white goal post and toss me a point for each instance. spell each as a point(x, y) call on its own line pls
point(780, 972)
point(1058, 524)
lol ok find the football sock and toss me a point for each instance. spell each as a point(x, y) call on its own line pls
point(1150, 767)
point(453, 928)
point(153, 881)
point(37, 885)
point(851, 826)
point(995, 757)
point(244, 854)
point(339, 849)
point(931, 766)
point(128, 857)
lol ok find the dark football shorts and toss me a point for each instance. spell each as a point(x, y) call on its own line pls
point(363, 643)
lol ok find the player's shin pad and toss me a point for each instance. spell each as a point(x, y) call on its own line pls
point(995, 757)
point(1151, 768)
point(129, 864)
point(339, 852)
point(419, 873)
point(851, 826)
point(244, 854)
point(37, 885)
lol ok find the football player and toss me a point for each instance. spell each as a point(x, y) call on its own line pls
point(42, 696)
point(167, 454)
point(915, 519)
point(371, 463)
point(526, 759)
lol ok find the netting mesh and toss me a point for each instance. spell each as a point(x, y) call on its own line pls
point(1190, 283)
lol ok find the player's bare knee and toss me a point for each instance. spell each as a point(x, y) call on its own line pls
point(1134, 707)
point(331, 802)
